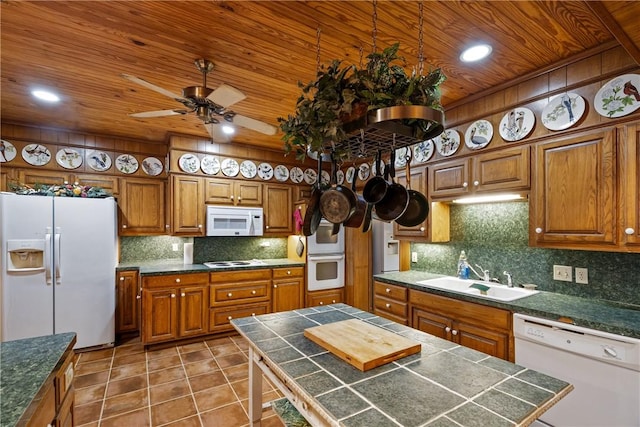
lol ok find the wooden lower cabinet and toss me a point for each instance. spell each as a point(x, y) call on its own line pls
point(325, 297)
point(56, 406)
point(482, 328)
point(128, 297)
point(287, 289)
point(390, 302)
point(174, 312)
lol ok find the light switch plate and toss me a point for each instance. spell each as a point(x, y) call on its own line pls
point(414, 256)
point(562, 273)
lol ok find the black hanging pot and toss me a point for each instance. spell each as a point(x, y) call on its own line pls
point(396, 198)
point(361, 207)
point(338, 203)
point(418, 207)
point(376, 188)
point(313, 215)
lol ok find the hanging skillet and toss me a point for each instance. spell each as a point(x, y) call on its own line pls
point(418, 207)
point(313, 215)
point(361, 207)
point(338, 203)
point(396, 198)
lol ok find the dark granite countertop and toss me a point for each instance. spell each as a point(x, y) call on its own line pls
point(173, 266)
point(445, 384)
point(27, 368)
point(607, 316)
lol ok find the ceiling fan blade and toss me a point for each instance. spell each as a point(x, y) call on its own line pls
point(256, 125)
point(155, 88)
point(216, 133)
point(158, 113)
point(225, 95)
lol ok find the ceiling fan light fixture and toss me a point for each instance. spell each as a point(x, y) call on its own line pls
point(476, 53)
point(228, 129)
point(45, 95)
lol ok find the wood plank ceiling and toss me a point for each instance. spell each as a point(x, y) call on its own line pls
point(263, 48)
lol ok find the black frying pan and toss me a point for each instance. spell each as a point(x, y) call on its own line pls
point(418, 207)
point(396, 198)
point(313, 215)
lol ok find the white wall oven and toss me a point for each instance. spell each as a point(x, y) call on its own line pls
point(325, 258)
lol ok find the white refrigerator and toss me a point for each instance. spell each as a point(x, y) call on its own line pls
point(386, 249)
point(59, 257)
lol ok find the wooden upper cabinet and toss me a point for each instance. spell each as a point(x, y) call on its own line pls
point(187, 204)
point(233, 192)
point(503, 170)
point(278, 209)
point(142, 207)
point(573, 201)
point(629, 185)
point(32, 177)
point(109, 183)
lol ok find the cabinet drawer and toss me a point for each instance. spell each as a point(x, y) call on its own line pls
point(395, 292)
point(220, 318)
point(239, 276)
point(393, 317)
point(283, 273)
point(489, 317)
point(64, 378)
point(174, 280)
point(243, 292)
point(391, 306)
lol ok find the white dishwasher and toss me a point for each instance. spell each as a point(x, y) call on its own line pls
point(604, 369)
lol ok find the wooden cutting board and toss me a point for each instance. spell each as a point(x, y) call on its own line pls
point(362, 344)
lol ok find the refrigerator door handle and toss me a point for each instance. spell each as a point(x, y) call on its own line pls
point(56, 256)
point(47, 256)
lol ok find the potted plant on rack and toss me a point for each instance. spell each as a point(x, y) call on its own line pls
point(342, 99)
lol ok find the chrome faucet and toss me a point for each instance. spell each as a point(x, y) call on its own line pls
point(509, 279)
point(485, 274)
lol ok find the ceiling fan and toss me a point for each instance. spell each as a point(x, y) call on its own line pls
point(209, 105)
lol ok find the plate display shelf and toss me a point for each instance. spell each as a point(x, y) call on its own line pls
point(385, 129)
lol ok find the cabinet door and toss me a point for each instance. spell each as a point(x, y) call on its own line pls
point(127, 302)
point(187, 204)
point(194, 311)
point(109, 183)
point(287, 294)
point(219, 191)
point(629, 179)
point(482, 339)
point(248, 193)
point(33, 177)
point(278, 209)
point(431, 323)
point(418, 183)
point(507, 169)
point(449, 178)
point(160, 315)
point(142, 207)
point(573, 201)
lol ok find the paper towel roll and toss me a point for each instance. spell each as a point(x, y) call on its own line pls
point(188, 253)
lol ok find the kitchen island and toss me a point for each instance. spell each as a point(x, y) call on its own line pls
point(442, 385)
point(36, 377)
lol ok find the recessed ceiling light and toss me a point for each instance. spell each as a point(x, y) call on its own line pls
point(475, 53)
point(229, 130)
point(45, 95)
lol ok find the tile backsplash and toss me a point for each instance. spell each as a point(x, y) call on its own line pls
point(495, 236)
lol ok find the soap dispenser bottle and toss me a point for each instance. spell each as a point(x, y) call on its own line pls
point(463, 266)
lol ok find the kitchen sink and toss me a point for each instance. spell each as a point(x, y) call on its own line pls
point(218, 264)
point(478, 288)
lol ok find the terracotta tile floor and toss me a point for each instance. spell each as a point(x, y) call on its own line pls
point(199, 384)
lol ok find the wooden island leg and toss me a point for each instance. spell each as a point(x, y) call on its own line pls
point(255, 391)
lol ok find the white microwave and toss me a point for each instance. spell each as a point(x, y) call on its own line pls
point(234, 221)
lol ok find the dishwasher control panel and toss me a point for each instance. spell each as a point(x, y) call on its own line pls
point(623, 351)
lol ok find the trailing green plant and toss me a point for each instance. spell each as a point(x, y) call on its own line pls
point(340, 94)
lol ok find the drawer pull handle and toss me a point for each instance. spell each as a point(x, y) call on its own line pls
point(178, 280)
point(454, 332)
point(124, 225)
point(388, 305)
point(387, 290)
point(173, 295)
point(447, 329)
point(254, 292)
point(333, 301)
point(321, 303)
point(229, 295)
point(538, 230)
point(465, 184)
point(476, 183)
point(230, 317)
point(122, 279)
point(137, 296)
point(274, 287)
point(288, 271)
point(629, 231)
point(183, 295)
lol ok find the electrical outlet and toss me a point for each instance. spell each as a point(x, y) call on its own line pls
point(174, 247)
point(414, 256)
point(562, 273)
point(582, 276)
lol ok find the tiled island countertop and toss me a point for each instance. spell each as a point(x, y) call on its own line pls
point(173, 266)
point(444, 385)
point(27, 368)
point(607, 316)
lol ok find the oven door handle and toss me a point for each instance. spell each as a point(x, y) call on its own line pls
point(325, 258)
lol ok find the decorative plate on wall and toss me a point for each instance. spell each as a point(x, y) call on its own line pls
point(402, 156)
point(98, 160)
point(189, 163)
point(248, 169)
point(281, 173)
point(230, 167)
point(152, 166)
point(619, 97)
point(36, 154)
point(447, 142)
point(423, 151)
point(340, 176)
point(265, 171)
point(351, 172)
point(325, 178)
point(210, 165)
point(126, 163)
point(479, 134)
point(310, 176)
point(7, 151)
point(296, 174)
point(563, 111)
point(517, 124)
point(363, 172)
point(69, 158)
